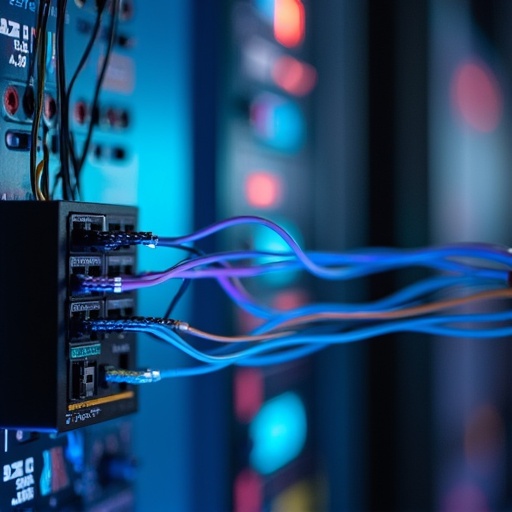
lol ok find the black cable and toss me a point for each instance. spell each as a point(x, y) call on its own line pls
point(85, 56)
point(184, 284)
point(39, 57)
point(78, 163)
point(39, 23)
point(46, 165)
point(65, 137)
point(88, 49)
point(67, 191)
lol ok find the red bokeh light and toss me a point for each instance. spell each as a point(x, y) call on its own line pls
point(248, 393)
point(263, 189)
point(290, 299)
point(294, 76)
point(477, 96)
point(248, 492)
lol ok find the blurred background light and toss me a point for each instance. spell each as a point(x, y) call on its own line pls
point(248, 393)
point(289, 22)
point(269, 241)
point(278, 122)
point(294, 76)
point(266, 9)
point(248, 491)
point(465, 497)
point(484, 439)
point(263, 189)
point(477, 95)
point(278, 433)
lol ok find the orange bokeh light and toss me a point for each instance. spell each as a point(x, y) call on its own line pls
point(289, 22)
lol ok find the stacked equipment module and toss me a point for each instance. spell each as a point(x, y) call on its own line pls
point(52, 374)
point(52, 370)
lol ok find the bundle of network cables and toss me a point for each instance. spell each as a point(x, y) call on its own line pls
point(465, 295)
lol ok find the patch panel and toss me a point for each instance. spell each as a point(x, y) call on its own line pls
point(18, 103)
point(53, 371)
point(106, 117)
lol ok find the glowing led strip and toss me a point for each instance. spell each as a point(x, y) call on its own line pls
point(98, 401)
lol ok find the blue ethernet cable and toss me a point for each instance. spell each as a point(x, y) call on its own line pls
point(464, 267)
point(436, 325)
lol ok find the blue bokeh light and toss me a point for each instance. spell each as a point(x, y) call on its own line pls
point(278, 433)
point(278, 122)
point(266, 9)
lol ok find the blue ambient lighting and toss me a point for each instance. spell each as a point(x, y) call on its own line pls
point(278, 122)
point(266, 9)
point(75, 450)
point(45, 481)
point(278, 433)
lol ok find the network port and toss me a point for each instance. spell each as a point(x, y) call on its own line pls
point(122, 265)
point(80, 223)
point(121, 223)
point(120, 308)
point(83, 266)
point(88, 222)
point(86, 265)
point(80, 311)
point(84, 381)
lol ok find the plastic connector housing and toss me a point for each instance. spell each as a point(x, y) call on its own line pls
point(51, 374)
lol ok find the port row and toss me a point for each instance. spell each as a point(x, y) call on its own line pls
point(19, 104)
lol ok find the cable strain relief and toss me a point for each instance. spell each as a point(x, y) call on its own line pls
point(134, 323)
point(102, 284)
point(113, 240)
point(121, 376)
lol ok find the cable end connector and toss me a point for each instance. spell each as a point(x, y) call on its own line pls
point(88, 284)
point(120, 376)
point(134, 323)
point(113, 240)
point(181, 326)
